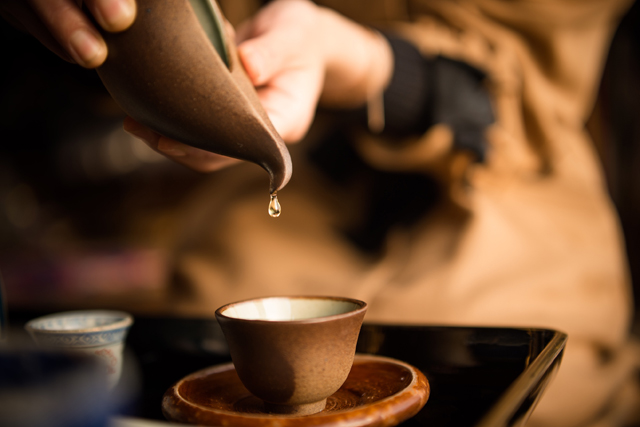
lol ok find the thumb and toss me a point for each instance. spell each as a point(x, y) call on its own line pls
point(262, 57)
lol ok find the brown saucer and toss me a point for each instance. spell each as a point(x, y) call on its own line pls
point(379, 392)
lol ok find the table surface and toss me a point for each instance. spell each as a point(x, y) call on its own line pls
point(479, 376)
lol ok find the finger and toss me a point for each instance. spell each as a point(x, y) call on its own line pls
point(73, 31)
point(290, 101)
point(21, 16)
point(230, 32)
point(264, 56)
point(113, 15)
point(191, 157)
point(252, 60)
point(244, 31)
point(141, 132)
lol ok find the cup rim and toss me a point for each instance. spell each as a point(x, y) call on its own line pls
point(362, 307)
point(123, 320)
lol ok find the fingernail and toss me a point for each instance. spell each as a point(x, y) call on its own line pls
point(86, 48)
point(116, 15)
point(171, 148)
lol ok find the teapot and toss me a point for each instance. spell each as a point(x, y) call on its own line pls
point(175, 72)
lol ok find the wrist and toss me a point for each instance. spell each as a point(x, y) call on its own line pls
point(358, 61)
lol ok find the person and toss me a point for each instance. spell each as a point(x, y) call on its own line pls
point(480, 201)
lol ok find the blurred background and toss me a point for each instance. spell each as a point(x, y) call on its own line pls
point(86, 209)
point(84, 206)
point(615, 127)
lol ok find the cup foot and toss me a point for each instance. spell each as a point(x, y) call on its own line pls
point(297, 410)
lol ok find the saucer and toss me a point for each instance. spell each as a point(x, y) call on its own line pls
point(379, 392)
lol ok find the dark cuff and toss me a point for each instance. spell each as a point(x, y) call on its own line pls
point(407, 97)
point(423, 92)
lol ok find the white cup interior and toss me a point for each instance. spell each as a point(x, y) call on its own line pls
point(280, 309)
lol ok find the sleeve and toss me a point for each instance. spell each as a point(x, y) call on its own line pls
point(501, 80)
point(424, 91)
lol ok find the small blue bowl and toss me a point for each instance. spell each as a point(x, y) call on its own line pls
point(97, 332)
point(78, 329)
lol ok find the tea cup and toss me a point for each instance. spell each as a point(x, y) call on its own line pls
point(97, 332)
point(293, 351)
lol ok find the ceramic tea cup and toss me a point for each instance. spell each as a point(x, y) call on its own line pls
point(292, 352)
point(97, 332)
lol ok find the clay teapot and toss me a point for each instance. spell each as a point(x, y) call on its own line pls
point(174, 71)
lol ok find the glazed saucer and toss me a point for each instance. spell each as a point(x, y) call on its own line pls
point(379, 392)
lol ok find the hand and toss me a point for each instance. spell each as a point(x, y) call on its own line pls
point(297, 55)
point(63, 28)
point(191, 157)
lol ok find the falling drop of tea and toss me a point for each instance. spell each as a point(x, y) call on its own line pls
point(274, 206)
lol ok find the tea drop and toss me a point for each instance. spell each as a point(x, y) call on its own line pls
point(274, 206)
